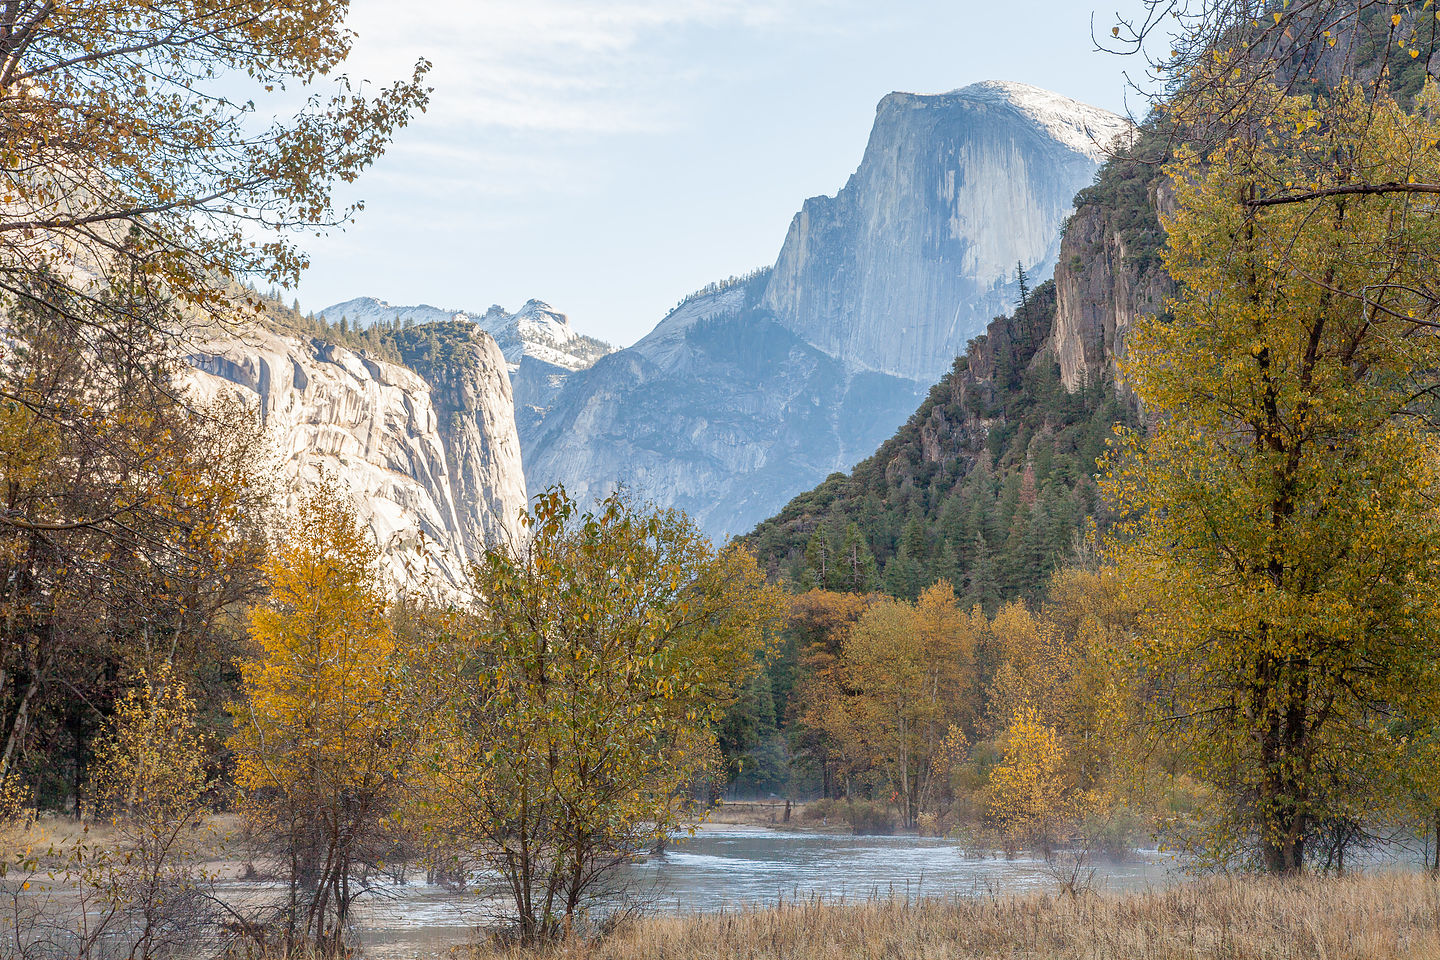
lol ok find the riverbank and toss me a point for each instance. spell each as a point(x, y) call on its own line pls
point(1385, 916)
point(779, 814)
point(814, 816)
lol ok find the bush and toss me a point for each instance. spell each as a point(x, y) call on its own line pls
point(865, 817)
point(823, 809)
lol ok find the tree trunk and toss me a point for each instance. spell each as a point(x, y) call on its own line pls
point(18, 728)
point(904, 773)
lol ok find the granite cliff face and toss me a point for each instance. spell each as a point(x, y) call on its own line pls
point(1109, 273)
point(918, 252)
point(433, 461)
point(745, 396)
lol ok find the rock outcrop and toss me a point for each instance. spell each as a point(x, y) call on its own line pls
point(433, 461)
point(1109, 273)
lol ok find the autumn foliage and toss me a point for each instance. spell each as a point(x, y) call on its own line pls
point(326, 736)
point(588, 675)
point(1283, 504)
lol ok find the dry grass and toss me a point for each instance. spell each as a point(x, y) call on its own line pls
point(762, 813)
point(53, 838)
point(1360, 918)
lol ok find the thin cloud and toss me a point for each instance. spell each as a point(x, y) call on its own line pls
point(557, 66)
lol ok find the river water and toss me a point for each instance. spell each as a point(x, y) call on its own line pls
point(724, 867)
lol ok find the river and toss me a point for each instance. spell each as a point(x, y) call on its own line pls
point(724, 867)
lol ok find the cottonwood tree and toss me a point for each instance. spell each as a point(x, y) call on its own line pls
point(598, 655)
point(1215, 63)
point(327, 734)
point(818, 621)
point(907, 675)
point(1283, 505)
point(150, 782)
point(139, 893)
point(1197, 49)
point(1031, 794)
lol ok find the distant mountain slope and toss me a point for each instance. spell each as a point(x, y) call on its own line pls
point(720, 411)
point(988, 483)
point(748, 393)
point(536, 330)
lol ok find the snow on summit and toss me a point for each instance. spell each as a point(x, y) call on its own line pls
point(1079, 126)
point(536, 330)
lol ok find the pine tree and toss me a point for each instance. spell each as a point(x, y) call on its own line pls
point(820, 559)
point(982, 586)
point(912, 541)
point(1022, 306)
point(947, 564)
point(857, 569)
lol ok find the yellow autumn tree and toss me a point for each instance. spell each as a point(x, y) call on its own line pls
point(1032, 662)
point(588, 676)
point(325, 736)
point(1282, 510)
point(1029, 795)
point(136, 123)
point(150, 766)
point(909, 676)
point(819, 620)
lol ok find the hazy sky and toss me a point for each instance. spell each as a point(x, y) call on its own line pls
point(610, 157)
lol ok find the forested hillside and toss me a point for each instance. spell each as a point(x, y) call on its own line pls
point(989, 485)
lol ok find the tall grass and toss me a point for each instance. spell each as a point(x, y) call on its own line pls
point(1375, 917)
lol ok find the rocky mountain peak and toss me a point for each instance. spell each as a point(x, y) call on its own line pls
point(919, 250)
point(1081, 127)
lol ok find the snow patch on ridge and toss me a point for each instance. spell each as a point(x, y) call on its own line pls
point(1079, 126)
point(536, 330)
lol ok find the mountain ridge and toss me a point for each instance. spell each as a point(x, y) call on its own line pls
point(989, 482)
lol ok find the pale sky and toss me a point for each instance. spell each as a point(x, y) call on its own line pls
point(610, 157)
